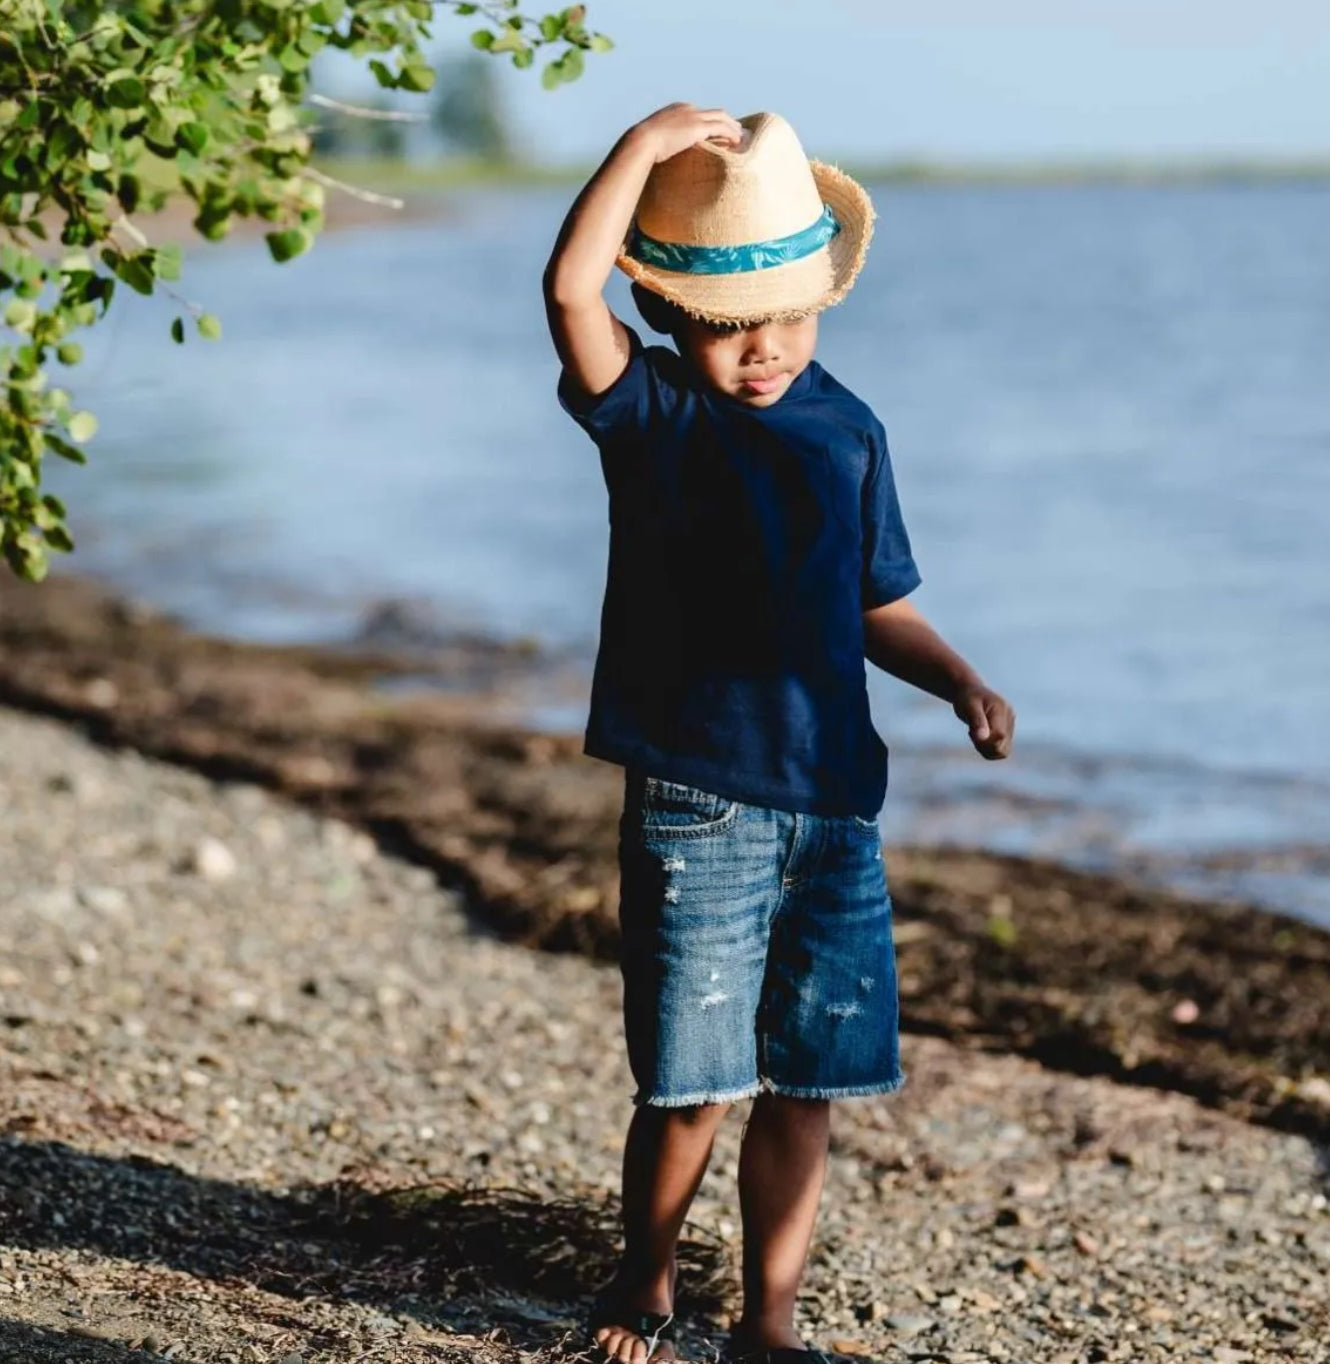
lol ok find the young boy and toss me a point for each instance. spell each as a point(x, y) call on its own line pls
point(757, 556)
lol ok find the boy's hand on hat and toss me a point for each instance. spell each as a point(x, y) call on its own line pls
point(991, 720)
point(677, 127)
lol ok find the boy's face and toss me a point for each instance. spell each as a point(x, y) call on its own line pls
point(755, 364)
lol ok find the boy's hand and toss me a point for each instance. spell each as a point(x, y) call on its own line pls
point(677, 127)
point(991, 720)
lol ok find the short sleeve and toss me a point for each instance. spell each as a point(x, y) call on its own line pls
point(889, 570)
point(624, 406)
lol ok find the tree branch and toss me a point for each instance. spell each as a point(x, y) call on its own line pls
point(368, 195)
point(360, 111)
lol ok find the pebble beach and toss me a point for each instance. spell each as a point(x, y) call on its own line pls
point(272, 1094)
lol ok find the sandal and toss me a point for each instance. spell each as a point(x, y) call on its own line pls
point(652, 1327)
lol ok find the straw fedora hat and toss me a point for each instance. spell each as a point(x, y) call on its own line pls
point(734, 234)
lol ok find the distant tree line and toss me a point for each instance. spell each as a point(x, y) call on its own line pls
point(467, 117)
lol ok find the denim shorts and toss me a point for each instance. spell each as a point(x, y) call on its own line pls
point(757, 950)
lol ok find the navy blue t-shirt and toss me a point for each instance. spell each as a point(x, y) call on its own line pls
point(745, 544)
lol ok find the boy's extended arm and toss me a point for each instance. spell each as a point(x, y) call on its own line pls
point(592, 342)
point(901, 642)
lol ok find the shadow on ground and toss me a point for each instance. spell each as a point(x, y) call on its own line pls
point(21, 1343)
point(462, 1256)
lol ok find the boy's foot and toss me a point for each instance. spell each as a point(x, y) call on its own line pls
point(778, 1346)
point(773, 1354)
point(631, 1326)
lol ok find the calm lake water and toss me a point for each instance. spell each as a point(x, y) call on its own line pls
point(1109, 411)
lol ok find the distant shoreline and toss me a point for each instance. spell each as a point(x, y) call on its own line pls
point(460, 174)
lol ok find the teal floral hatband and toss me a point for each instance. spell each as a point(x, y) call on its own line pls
point(733, 260)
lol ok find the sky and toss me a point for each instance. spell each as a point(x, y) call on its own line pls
point(960, 80)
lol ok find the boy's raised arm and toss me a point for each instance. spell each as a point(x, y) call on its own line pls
point(592, 342)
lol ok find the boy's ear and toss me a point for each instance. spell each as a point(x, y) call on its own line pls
point(658, 313)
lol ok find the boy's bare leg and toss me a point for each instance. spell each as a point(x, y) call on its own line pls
point(664, 1159)
point(782, 1164)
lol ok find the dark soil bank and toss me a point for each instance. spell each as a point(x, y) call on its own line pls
point(1226, 1003)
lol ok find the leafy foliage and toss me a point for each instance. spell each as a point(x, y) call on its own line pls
point(107, 109)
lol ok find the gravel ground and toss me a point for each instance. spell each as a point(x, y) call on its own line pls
point(267, 1094)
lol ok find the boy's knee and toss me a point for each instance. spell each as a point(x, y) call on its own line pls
point(696, 1115)
point(792, 1108)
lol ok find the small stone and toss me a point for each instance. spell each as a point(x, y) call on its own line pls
point(102, 693)
point(1186, 1011)
point(213, 860)
point(150, 1344)
point(1224, 1354)
point(984, 1301)
point(906, 1324)
point(104, 899)
point(1029, 1188)
point(295, 1357)
point(1086, 1244)
point(1032, 1265)
point(1119, 1155)
point(850, 1347)
point(1317, 1089)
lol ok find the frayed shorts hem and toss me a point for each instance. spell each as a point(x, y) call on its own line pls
point(765, 1086)
point(836, 1091)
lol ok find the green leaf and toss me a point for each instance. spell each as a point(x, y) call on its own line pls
point(573, 63)
point(59, 538)
point(289, 243)
point(178, 331)
point(552, 76)
point(69, 353)
point(464, 10)
point(126, 92)
point(483, 39)
point(128, 191)
point(550, 27)
point(53, 504)
point(64, 449)
point(291, 58)
point(601, 43)
point(20, 314)
point(192, 137)
point(383, 74)
point(168, 261)
point(523, 57)
point(210, 327)
point(417, 78)
point(82, 427)
point(135, 271)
